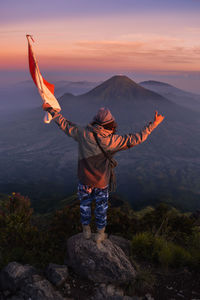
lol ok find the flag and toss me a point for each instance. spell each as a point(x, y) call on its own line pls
point(45, 88)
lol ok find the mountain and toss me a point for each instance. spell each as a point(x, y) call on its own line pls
point(174, 94)
point(74, 87)
point(39, 160)
point(22, 96)
point(119, 93)
point(124, 97)
point(122, 88)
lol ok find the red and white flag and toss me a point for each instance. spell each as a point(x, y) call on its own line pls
point(45, 88)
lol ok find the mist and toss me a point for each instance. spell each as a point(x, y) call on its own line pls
point(40, 161)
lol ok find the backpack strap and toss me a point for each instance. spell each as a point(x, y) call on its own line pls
point(113, 164)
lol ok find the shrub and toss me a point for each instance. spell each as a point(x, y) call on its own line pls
point(145, 246)
point(17, 232)
point(142, 245)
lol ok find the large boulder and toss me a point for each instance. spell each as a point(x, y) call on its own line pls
point(41, 289)
point(123, 243)
point(21, 282)
point(14, 275)
point(109, 264)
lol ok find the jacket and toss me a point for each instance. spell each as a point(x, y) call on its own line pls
point(93, 167)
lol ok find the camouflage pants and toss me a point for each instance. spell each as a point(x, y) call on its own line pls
point(86, 195)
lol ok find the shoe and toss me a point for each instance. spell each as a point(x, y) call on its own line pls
point(86, 232)
point(100, 236)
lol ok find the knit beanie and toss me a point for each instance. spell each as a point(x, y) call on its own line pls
point(103, 116)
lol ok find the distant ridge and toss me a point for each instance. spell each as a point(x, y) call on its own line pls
point(174, 94)
point(154, 82)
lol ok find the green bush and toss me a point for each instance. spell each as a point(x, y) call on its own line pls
point(24, 242)
point(142, 245)
point(160, 235)
point(172, 255)
point(148, 247)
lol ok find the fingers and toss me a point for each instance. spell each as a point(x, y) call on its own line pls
point(158, 115)
point(158, 118)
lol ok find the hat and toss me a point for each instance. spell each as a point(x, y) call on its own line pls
point(103, 116)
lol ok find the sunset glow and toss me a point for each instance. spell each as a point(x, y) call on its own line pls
point(127, 36)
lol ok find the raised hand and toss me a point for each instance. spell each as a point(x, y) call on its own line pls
point(158, 118)
point(46, 106)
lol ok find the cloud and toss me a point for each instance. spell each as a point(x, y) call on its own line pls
point(160, 54)
point(147, 53)
point(195, 30)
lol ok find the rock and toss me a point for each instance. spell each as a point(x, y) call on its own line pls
point(41, 290)
point(18, 298)
point(108, 264)
point(57, 274)
point(6, 293)
point(23, 283)
point(14, 275)
point(121, 242)
point(114, 291)
point(111, 292)
point(131, 298)
point(148, 297)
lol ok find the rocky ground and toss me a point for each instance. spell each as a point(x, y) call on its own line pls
point(90, 273)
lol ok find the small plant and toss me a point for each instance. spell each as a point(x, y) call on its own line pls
point(143, 283)
point(142, 245)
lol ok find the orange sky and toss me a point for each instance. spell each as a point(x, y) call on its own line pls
point(90, 40)
point(118, 42)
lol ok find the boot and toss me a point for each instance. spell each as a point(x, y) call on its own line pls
point(86, 232)
point(100, 235)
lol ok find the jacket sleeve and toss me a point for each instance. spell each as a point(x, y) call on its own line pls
point(119, 142)
point(68, 127)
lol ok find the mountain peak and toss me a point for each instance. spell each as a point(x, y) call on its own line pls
point(120, 80)
point(121, 87)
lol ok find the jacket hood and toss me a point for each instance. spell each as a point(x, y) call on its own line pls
point(99, 130)
point(103, 116)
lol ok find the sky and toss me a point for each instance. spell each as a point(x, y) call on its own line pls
point(93, 40)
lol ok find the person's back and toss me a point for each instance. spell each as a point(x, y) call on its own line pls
point(97, 143)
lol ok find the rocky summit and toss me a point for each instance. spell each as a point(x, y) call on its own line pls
point(89, 272)
point(109, 264)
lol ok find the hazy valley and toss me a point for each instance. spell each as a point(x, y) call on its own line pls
point(40, 161)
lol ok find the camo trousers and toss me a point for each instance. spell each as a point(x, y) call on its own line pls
point(86, 195)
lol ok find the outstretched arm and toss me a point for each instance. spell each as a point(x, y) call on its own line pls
point(68, 127)
point(119, 142)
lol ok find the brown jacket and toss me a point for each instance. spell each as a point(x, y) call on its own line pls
point(93, 166)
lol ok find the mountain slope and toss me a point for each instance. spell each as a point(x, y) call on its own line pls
point(124, 97)
point(174, 94)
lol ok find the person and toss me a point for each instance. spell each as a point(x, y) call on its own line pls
point(97, 143)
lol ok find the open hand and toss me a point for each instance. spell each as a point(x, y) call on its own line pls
point(158, 118)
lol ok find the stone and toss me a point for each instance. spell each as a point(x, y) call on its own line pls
point(56, 274)
point(24, 283)
point(149, 297)
point(106, 265)
point(109, 292)
point(41, 290)
point(18, 298)
point(14, 275)
point(6, 293)
point(101, 295)
point(121, 242)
